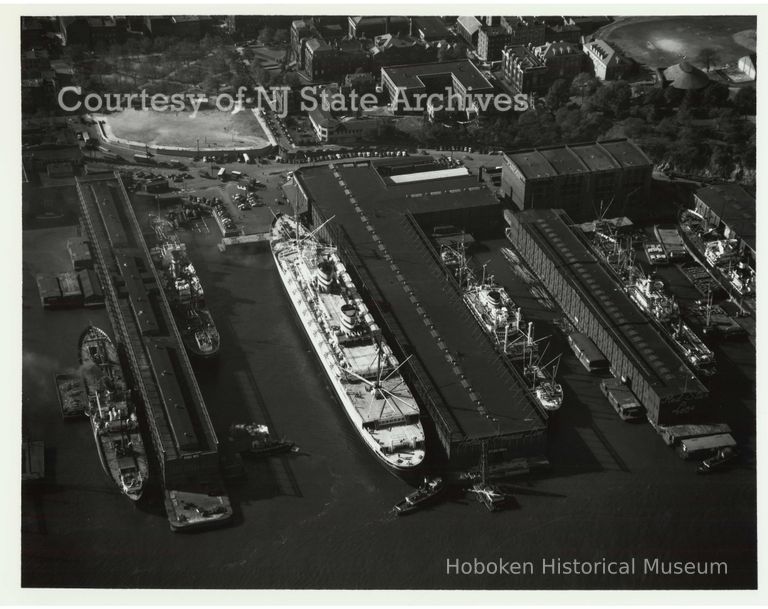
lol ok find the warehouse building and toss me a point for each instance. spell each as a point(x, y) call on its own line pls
point(582, 179)
point(593, 300)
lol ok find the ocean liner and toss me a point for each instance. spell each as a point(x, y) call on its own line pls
point(360, 365)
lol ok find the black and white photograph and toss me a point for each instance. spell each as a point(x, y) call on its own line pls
point(396, 303)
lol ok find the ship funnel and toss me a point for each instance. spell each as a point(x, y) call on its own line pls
point(348, 317)
point(325, 275)
point(494, 298)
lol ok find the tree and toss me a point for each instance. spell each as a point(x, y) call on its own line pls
point(613, 99)
point(721, 162)
point(584, 84)
point(745, 101)
point(715, 95)
point(708, 56)
point(281, 36)
point(558, 94)
point(266, 35)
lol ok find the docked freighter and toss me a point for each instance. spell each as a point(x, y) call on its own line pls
point(500, 318)
point(359, 363)
point(719, 255)
point(649, 294)
point(187, 299)
point(113, 419)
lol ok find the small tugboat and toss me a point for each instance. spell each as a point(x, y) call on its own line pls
point(421, 497)
point(548, 392)
point(255, 439)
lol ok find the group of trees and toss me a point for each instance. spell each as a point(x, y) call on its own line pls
point(702, 132)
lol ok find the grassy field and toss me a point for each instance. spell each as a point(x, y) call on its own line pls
point(663, 41)
point(211, 127)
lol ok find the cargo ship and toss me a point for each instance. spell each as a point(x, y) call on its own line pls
point(360, 365)
point(113, 419)
point(187, 299)
point(671, 242)
point(193, 510)
point(650, 296)
point(500, 318)
point(718, 255)
point(256, 439)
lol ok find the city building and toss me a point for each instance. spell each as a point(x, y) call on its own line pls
point(563, 59)
point(333, 61)
point(524, 70)
point(391, 50)
point(461, 77)
point(345, 129)
point(579, 178)
point(191, 27)
point(489, 35)
point(430, 29)
point(92, 31)
point(469, 29)
point(607, 62)
point(370, 27)
point(732, 210)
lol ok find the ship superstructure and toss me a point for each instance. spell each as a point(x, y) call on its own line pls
point(187, 299)
point(361, 366)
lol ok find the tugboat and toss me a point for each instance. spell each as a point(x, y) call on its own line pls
point(187, 300)
point(421, 497)
point(113, 419)
point(255, 439)
point(362, 368)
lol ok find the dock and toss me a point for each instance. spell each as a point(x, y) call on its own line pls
point(182, 433)
point(472, 395)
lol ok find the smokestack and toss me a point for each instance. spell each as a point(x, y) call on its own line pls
point(480, 175)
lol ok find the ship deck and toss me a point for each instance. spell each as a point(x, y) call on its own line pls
point(479, 396)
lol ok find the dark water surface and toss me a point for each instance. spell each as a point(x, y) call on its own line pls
point(321, 518)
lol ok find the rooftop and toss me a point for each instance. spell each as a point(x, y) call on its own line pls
point(463, 71)
point(577, 158)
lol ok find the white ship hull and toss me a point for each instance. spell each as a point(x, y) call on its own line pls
point(311, 328)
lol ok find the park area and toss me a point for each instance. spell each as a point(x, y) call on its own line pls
point(207, 129)
point(664, 41)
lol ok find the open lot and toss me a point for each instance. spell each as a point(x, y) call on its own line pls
point(209, 128)
point(664, 41)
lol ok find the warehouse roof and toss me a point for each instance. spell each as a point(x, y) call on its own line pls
point(554, 161)
point(632, 331)
point(463, 71)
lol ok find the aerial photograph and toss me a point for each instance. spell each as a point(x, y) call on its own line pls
point(405, 302)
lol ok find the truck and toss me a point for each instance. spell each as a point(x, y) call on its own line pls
point(587, 352)
point(672, 434)
point(622, 399)
point(222, 175)
point(705, 446)
point(671, 242)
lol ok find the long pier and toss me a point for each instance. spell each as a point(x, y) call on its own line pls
point(181, 429)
